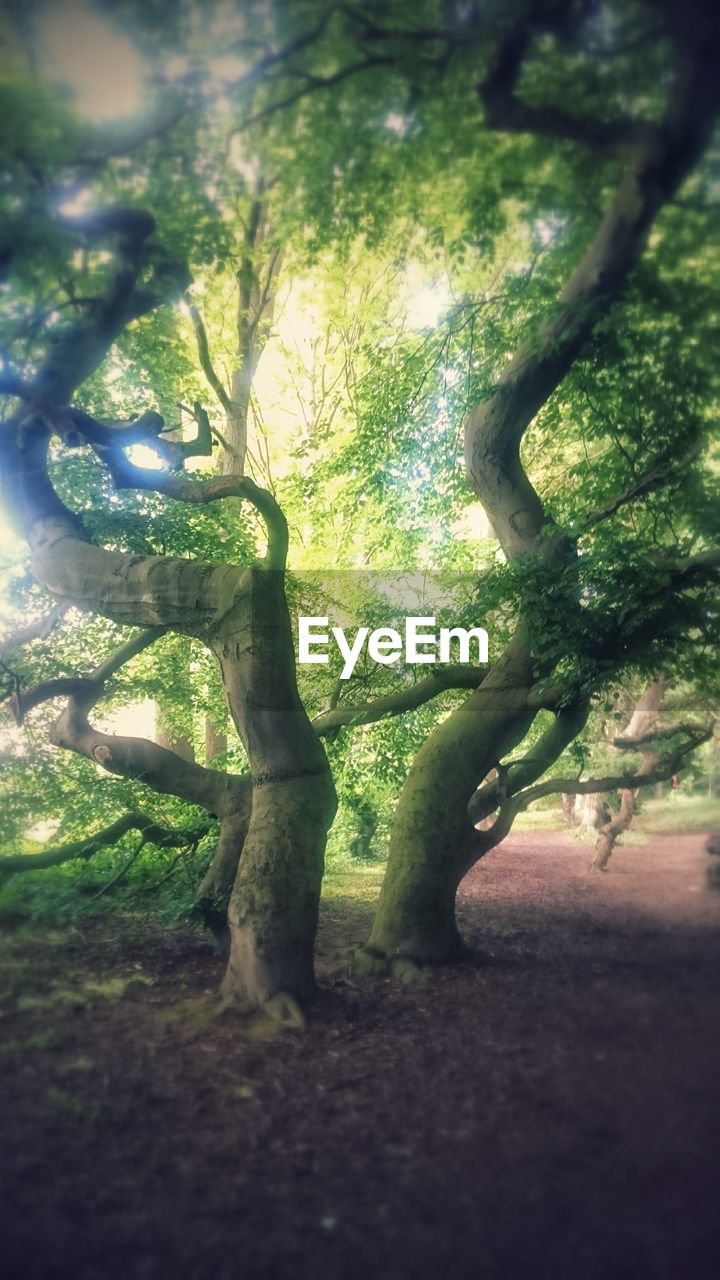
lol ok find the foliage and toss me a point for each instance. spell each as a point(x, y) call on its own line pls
point(419, 249)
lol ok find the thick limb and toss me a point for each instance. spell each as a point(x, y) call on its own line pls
point(151, 832)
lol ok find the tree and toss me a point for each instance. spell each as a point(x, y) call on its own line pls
point(612, 570)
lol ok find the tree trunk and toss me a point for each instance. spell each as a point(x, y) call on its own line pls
point(216, 742)
point(590, 811)
point(643, 719)
point(366, 820)
point(429, 850)
point(168, 738)
point(609, 834)
point(568, 808)
point(213, 895)
point(274, 903)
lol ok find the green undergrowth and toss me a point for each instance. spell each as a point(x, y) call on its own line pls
point(538, 820)
point(357, 881)
point(161, 886)
point(158, 883)
point(679, 813)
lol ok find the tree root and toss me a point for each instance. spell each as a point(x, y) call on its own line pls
point(285, 1010)
point(368, 962)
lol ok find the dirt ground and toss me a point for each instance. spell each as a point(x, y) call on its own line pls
point(550, 1110)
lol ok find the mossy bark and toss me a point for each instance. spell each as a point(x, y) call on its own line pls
point(273, 908)
point(609, 834)
point(274, 903)
point(430, 850)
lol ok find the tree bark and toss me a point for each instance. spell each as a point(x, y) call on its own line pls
point(216, 741)
point(430, 849)
point(569, 801)
point(642, 722)
point(429, 852)
point(274, 903)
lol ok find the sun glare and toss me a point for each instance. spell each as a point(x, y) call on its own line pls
point(141, 455)
point(99, 64)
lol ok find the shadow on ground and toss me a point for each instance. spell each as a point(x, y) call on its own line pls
point(550, 1110)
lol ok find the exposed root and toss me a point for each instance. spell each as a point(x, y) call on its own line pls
point(285, 1010)
point(403, 969)
point(368, 962)
point(281, 1012)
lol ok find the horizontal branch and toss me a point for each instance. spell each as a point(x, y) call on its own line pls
point(506, 112)
point(637, 742)
point(460, 676)
point(144, 761)
point(89, 687)
point(662, 473)
point(407, 699)
point(312, 84)
point(130, 757)
point(152, 833)
point(612, 782)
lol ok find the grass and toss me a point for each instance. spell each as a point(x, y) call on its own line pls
point(58, 896)
point(539, 820)
point(679, 812)
point(676, 814)
point(353, 880)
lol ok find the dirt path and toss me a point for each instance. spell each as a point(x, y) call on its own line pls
point(551, 1111)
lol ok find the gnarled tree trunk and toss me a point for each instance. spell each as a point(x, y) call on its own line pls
point(273, 907)
point(430, 849)
point(642, 721)
point(429, 852)
point(241, 614)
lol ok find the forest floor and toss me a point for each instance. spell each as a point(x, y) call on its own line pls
point(550, 1110)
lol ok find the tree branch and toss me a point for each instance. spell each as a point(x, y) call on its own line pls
point(40, 629)
point(494, 429)
point(88, 687)
point(506, 112)
point(662, 473)
point(567, 725)
point(205, 359)
point(144, 761)
point(72, 357)
point(613, 782)
point(395, 704)
point(639, 741)
point(152, 833)
point(184, 489)
point(130, 757)
point(311, 85)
